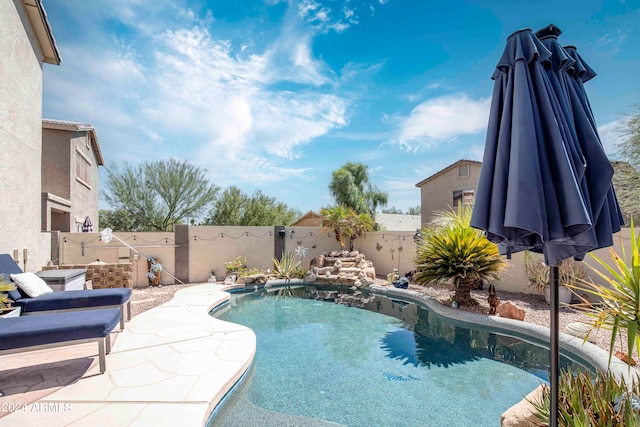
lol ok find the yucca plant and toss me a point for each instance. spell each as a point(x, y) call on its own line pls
point(570, 271)
point(619, 306)
point(454, 252)
point(287, 267)
point(591, 400)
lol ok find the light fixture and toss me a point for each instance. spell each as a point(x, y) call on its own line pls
point(417, 237)
point(282, 233)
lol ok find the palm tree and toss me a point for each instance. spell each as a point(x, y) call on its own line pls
point(454, 252)
point(346, 224)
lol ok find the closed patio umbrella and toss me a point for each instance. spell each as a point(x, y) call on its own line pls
point(544, 185)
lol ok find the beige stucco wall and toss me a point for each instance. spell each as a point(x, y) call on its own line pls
point(20, 137)
point(56, 163)
point(60, 150)
point(210, 247)
point(84, 195)
point(437, 194)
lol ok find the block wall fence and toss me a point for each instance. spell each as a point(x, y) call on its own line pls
point(191, 253)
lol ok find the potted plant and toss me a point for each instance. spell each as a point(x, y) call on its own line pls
point(236, 266)
point(453, 252)
point(569, 273)
point(6, 309)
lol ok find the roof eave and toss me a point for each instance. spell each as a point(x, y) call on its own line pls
point(38, 17)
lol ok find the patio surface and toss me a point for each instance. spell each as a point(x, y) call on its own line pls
point(170, 366)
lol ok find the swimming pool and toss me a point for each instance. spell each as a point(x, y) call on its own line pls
point(391, 364)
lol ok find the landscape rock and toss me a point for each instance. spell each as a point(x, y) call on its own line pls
point(523, 413)
point(341, 267)
point(509, 310)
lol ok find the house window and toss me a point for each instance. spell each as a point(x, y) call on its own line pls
point(83, 168)
point(463, 171)
point(463, 197)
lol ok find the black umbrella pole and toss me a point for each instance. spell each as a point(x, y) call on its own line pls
point(554, 354)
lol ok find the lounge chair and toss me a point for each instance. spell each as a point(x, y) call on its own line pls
point(65, 300)
point(20, 334)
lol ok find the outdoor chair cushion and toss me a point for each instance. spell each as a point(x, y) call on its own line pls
point(31, 284)
point(71, 300)
point(20, 332)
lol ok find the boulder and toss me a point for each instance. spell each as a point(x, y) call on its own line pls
point(254, 279)
point(509, 310)
point(523, 414)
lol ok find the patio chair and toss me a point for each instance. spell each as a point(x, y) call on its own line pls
point(20, 334)
point(65, 300)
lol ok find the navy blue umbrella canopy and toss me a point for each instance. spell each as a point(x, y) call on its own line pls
point(533, 192)
point(545, 183)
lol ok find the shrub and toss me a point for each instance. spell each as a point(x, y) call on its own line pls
point(592, 400)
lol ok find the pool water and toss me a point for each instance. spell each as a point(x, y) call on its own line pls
point(389, 364)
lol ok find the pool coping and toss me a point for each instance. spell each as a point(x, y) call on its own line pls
point(573, 347)
point(171, 365)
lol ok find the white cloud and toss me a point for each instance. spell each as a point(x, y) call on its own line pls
point(610, 136)
point(441, 119)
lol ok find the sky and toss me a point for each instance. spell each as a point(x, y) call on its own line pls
point(275, 95)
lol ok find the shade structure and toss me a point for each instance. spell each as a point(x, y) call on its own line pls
point(87, 226)
point(545, 182)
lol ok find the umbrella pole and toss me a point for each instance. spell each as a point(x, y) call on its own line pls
point(554, 353)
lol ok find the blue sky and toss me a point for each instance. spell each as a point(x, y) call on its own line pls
point(275, 95)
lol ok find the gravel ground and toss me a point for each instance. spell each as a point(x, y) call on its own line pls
point(536, 309)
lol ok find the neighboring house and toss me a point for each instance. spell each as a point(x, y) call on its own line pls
point(26, 42)
point(398, 222)
point(70, 159)
point(453, 185)
point(310, 219)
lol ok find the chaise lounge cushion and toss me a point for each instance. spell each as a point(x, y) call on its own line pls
point(19, 332)
point(69, 300)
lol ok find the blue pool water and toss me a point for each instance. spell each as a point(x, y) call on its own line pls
point(389, 364)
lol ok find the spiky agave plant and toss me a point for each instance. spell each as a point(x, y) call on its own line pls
point(288, 266)
point(454, 252)
point(619, 297)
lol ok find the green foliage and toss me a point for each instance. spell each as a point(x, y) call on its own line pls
point(346, 224)
point(393, 210)
point(5, 301)
point(288, 266)
point(235, 208)
point(350, 187)
point(620, 296)
point(591, 400)
point(629, 148)
point(416, 210)
point(569, 272)
point(454, 252)
point(238, 264)
point(118, 220)
point(159, 195)
point(626, 181)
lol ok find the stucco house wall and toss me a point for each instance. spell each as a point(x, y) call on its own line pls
point(71, 156)
point(23, 48)
point(436, 191)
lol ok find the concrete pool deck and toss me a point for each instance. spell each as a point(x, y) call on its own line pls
point(174, 363)
point(170, 366)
